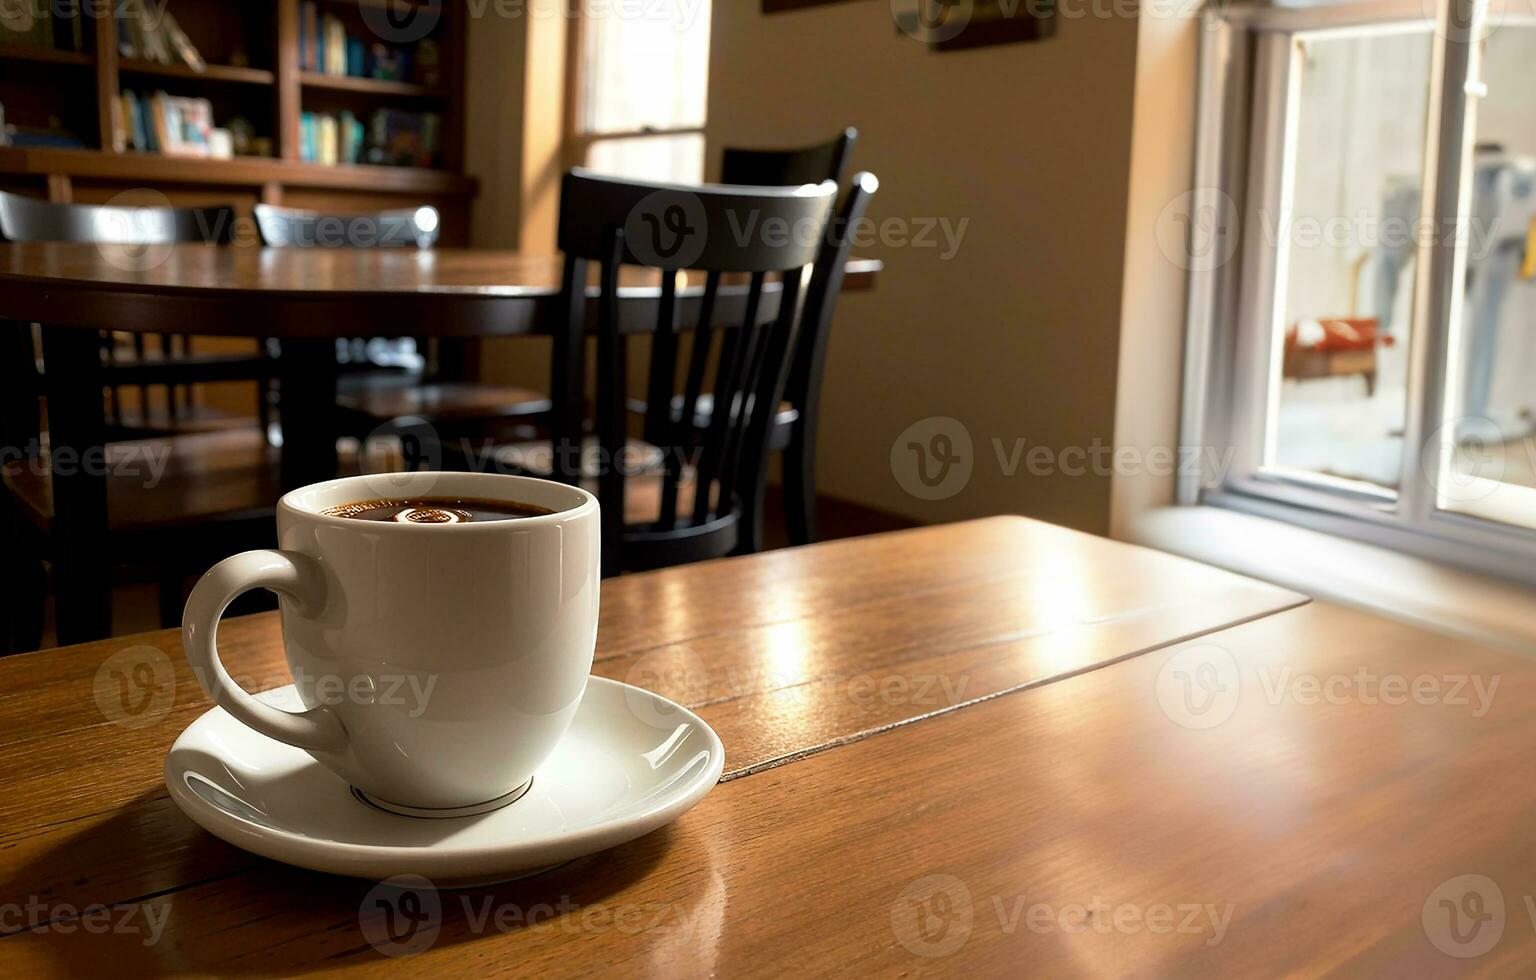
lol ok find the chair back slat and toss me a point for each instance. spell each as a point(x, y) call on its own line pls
point(735, 354)
point(769, 236)
point(568, 365)
point(663, 367)
point(612, 399)
point(685, 440)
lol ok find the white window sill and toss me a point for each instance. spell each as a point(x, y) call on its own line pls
point(1404, 587)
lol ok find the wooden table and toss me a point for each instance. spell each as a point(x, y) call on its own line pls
point(972, 702)
point(307, 298)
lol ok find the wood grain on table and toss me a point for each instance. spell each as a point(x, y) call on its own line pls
point(1090, 827)
point(787, 654)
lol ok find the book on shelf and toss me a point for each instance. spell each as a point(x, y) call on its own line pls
point(393, 137)
point(335, 47)
point(309, 28)
point(404, 139)
point(68, 25)
point(154, 35)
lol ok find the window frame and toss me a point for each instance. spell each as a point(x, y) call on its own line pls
point(577, 141)
point(1246, 134)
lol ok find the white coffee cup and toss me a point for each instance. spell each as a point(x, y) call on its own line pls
point(439, 663)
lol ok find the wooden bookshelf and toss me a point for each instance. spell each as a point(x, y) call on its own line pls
point(371, 86)
point(213, 73)
point(51, 56)
point(254, 71)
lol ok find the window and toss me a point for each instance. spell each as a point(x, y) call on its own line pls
point(639, 89)
point(1362, 253)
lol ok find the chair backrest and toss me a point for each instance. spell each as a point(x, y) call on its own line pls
point(803, 387)
point(777, 168)
point(294, 227)
point(723, 232)
point(26, 219)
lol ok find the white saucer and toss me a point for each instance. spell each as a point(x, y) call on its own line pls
point(631, 762)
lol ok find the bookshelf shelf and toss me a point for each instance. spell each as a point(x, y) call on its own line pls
point(370, 86)
point(241, 171)
point(214, 73)
point(51, 56)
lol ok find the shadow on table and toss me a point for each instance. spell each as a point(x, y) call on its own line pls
point(186, 902)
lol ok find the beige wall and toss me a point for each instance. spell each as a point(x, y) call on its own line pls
point(1017, 336)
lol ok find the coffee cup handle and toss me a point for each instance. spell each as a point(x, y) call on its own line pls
point(295, 575)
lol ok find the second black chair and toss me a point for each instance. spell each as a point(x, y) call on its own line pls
point(702, 500)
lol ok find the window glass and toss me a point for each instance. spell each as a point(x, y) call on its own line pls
point(1345, 250)
point(1490, 461)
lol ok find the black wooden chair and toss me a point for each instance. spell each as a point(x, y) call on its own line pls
point(703, 499)
point(795, 424)
point(381, 381)
point(216, 489)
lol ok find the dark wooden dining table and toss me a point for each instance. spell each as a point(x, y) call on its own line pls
point(306, 299)
point(914, 724)
point(996, 748)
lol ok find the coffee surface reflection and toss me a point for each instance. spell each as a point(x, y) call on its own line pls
point(435, 510)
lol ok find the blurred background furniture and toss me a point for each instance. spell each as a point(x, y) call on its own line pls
point(683, 492)
point(385, 384)
point(306, 298)
point(179, 486)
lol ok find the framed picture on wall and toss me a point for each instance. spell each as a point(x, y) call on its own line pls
point(952, 25)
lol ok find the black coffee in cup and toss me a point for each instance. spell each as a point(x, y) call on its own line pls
point(435, 510)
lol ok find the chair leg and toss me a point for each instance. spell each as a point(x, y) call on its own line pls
point(171, 599)
point(800, 489)
point(26, 589)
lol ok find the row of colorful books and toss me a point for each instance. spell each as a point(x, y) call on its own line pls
point(326, 48)
point(392, 137)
